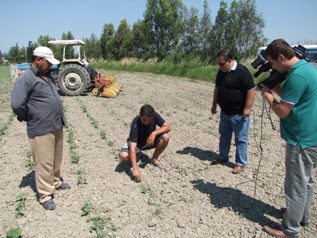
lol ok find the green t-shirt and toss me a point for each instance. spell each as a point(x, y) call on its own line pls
point(300, 89)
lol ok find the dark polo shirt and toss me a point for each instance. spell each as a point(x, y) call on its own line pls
point(232, 88)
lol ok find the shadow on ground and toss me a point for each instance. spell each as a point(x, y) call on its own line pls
point(205, 155)
point(246, 206)
point(28, 180)
point(125, 166)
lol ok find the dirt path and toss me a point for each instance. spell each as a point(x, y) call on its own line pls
point(191, 199)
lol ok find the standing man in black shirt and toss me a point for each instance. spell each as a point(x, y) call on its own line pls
point(143, 136)
point(234, 92)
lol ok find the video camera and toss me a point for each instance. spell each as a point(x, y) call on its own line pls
point(275, 77)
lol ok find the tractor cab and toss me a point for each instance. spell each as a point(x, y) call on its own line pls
point(72, 76)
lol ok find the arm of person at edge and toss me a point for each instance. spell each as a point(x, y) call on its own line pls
point(19, 99)
point(165, 128)
point(248, 103)
point(281, 109)
point(133, 159)
point(214, 102)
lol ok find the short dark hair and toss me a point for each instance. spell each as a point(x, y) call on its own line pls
point(227, 54)
point(147, 110)
point(277, 47)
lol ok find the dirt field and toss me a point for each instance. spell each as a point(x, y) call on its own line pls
point(192, 198)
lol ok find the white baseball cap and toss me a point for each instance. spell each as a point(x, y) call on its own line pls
point(46, 53)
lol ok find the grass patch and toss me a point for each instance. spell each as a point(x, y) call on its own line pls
point(190, 68)
point(4, 126)
point(5, 80)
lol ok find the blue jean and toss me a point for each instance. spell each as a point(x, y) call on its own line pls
point(240, 128)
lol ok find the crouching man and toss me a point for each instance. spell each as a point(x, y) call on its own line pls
point(143, 136)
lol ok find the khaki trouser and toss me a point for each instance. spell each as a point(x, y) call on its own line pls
point(47, 151)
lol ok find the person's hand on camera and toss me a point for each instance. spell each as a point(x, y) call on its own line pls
point(265, 91)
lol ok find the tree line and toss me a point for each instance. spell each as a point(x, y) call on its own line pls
point(169, 30)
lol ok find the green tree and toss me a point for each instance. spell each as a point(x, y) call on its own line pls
point(206, 33)
point(13, 54)
point(163, 19)
point(190, 37)
point(106, 41)
point(239, 28)
point(221, 24)
point(122, 41)
point(138, 40)
point(250, 35)
point(92, 47)
point(43, 40)
point(69, 51)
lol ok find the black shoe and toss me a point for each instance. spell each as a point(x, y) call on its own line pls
point(64, 186)
point(49, 205)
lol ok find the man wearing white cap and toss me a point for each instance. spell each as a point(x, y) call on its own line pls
point(35, 100)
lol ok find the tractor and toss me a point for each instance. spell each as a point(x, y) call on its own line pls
point(73, 76)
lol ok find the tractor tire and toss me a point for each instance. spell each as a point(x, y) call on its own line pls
point(72, 79)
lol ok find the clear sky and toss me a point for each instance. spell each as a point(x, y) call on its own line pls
point(24, 21)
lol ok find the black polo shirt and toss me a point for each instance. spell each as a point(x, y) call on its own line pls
point(139, 132)
point(232, 88)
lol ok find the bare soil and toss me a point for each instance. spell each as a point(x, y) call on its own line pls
point(192, 198)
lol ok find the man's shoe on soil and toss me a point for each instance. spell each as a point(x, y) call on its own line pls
point(275, 232)
point(49, 205)
point(64, 186)
point(238, 169)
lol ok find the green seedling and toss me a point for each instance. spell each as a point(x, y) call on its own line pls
point(93, 122)
point(83, 108)
point(14, 233)
point(74, 157)
point(87, 208)
point(103, 135)
point(81, 177)
point(110, 143)
point(181, 170)
point(98, 226)
point(29, 163)
point(146, 190)
point(20, 204)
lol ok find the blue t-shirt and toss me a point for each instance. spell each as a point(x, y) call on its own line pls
point(300, 89)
